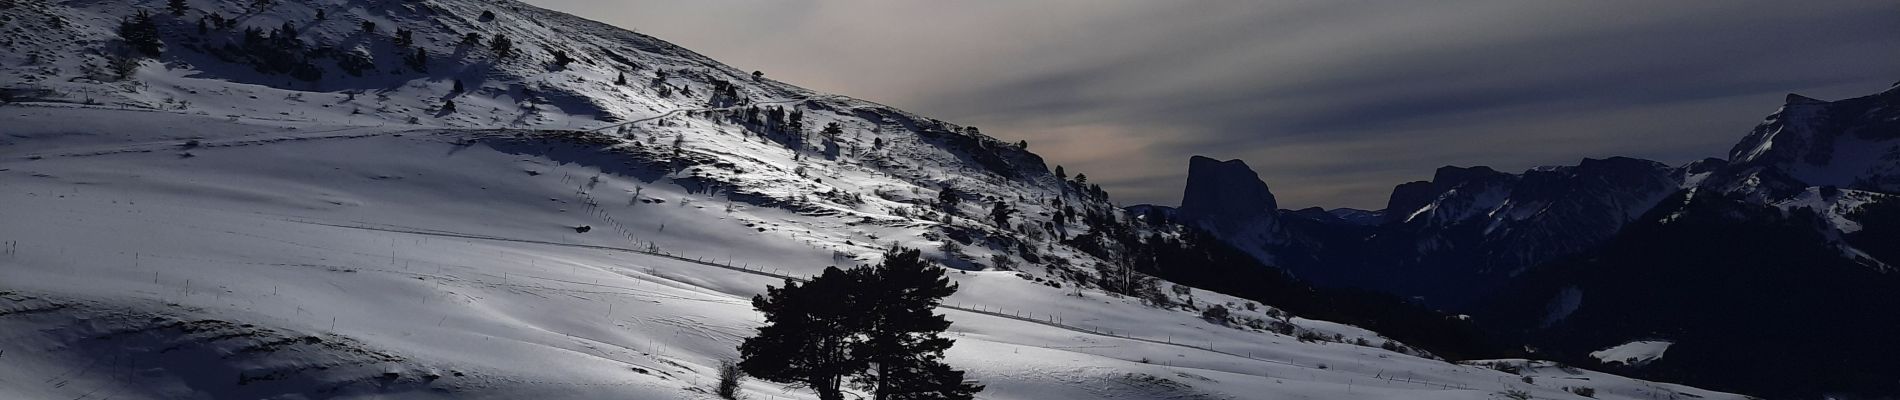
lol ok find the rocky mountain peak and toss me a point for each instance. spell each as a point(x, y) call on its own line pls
point(1226, 195)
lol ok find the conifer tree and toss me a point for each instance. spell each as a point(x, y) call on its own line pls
point(502, 47)
point(948, 199)
point(874, 326)
point(141, 34)
point(419, 61)
point(1000, 213)
point(832, 130)
point(903, 334)
point(177, 7)
point(807, 334)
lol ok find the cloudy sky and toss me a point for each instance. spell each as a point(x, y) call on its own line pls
point(1333, 102)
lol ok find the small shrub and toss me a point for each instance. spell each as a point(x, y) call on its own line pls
point(729, 377)
point(1584, 391)
point(1508, 368)
point(1310, 336)
point(1216, 313)
point(1517, 394)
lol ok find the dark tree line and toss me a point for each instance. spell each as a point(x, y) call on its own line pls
point(869, 327)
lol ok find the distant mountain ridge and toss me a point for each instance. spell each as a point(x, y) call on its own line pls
point(1811, 196)
point(1462, 233)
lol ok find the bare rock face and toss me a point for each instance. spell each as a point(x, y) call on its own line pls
point(1227, 197)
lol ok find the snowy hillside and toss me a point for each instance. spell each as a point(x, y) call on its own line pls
point(288, 259)
point(288, 202)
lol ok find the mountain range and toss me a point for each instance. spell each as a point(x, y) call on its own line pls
point(1755, 266)
point(485, 199)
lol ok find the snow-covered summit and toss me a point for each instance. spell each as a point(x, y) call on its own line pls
point(1850, 144)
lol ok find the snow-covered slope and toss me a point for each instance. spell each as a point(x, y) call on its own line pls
point(1850, 144)
point(282, 259)
point(286, 205)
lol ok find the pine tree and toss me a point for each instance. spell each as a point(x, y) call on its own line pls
point(369, 27)
point(621, 79)
point(141, 34)
point(948, 199)
point(502, 47)
point(807, 335)
point(419, 61)
point(875, 326)
point(458, 87)
point(832, 130)
point(321, 16)
point(405, 37)
point(448, 106)
point(903, 334)
point(1000, 213)
point(1060, 174)
point(177, 7)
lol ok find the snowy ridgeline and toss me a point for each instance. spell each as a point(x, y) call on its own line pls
point(292, 259)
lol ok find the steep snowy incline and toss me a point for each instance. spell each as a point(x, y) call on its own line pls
point(279, 259)
point(335, 150)
point(352, 65)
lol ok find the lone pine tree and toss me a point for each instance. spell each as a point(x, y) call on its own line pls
point(903, 335)
point(948, 198)
point(873, 326)
point(806, 333)
point(141, 34)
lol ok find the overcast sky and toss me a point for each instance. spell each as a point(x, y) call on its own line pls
point(1333, 102)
